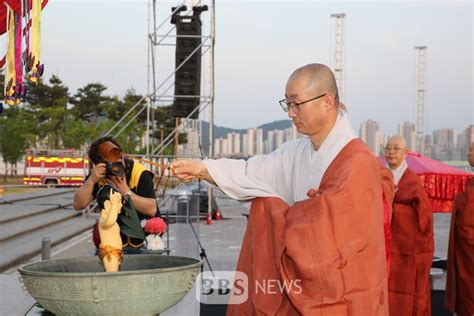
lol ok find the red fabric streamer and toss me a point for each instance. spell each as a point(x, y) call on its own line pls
point(18, 42)
point(15, 5)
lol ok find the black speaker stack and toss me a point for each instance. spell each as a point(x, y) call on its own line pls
point(187, 88)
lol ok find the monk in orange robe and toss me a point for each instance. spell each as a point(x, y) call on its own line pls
point(412, 244)
point(314, 244)
point(459, 297)
point(329, 249)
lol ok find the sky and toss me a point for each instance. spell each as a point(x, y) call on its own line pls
point(259, 44)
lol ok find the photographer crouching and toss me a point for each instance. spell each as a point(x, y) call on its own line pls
point(131, 179)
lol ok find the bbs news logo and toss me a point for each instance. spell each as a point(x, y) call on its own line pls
point(232, 287)
point(217, 287)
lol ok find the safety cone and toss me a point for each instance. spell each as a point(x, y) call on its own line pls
point(209, 219)
point(218, 215)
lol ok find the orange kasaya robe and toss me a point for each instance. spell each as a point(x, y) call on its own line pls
point(388, 195)
point(326, 253)
point(412, 249)
point(459, 296)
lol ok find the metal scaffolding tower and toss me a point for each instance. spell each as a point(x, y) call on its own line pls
point(420, 90)
point(160, 35)
point(206, 97)
point(338, 23)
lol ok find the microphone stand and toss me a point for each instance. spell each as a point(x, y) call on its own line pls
point(202, 254)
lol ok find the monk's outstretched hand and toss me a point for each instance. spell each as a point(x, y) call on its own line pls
point(188, 170)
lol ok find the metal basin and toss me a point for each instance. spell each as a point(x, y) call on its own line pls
point(145, 284)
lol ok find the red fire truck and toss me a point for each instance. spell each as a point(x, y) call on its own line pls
point(61, 167)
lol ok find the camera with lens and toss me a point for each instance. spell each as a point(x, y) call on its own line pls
point(114, 169)
point(111, 156)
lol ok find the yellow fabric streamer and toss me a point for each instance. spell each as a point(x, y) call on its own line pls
point(10, 74)
point(35, 40)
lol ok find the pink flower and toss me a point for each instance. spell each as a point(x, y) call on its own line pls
point(155, 225)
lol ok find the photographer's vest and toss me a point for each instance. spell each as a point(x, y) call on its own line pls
point(133, 176)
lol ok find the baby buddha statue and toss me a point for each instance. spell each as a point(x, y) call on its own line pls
point(110, 249)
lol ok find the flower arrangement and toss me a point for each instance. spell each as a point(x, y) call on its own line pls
point(155, 227)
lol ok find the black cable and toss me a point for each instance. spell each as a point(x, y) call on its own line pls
point(34, 304)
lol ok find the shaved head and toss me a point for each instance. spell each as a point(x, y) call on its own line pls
point(396, 151)
point(319, 79)
point(312, 93)
point(399, 140)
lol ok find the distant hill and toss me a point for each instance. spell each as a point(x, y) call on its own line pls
point(220, 131)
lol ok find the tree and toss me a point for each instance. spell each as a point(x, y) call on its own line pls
point(117, 108)
point(164, 120)
point(90, 102)
point(130, 99)
point(47, 105)
point(47, 119)
point(134, 130)
point(75, 133)
point(15, 135)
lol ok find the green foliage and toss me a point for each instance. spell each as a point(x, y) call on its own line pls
point(131, 134)
point(90, 102)
point(165, 122)
point(116, 108)
point(16, 134)
point(76, 132)
point(47, 105)
point(51, 118)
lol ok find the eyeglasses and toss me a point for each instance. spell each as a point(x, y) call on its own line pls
point(286, 106)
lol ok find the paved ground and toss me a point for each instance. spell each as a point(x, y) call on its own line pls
point(222, 240)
